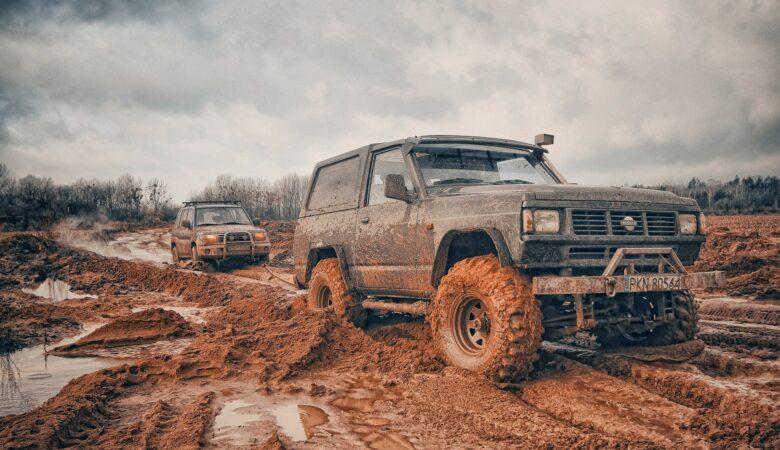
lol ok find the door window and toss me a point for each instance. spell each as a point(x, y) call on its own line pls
point(336, 186)
point(383, 164)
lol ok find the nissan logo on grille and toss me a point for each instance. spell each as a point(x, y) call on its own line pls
point(628, 223)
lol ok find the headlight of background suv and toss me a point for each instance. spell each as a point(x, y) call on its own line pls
point(210, 239)
point(687, 223)
point(260, 236)
point(541, 221)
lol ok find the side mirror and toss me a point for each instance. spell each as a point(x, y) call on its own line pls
point(256, 222)
point(186, 223)
point(396, 188)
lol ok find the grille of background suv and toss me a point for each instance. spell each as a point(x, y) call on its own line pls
point(593, 222)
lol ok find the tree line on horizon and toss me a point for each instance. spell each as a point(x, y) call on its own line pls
point(34, 202)
point(746, 195)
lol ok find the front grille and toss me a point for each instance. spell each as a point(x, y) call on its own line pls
point(627, 223)
point(587, 252)
point(589, 222)
point(621, 222)
point(661, 223)
point(237, 237)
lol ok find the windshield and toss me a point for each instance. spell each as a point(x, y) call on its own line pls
point(449, 164)
point(221, 215)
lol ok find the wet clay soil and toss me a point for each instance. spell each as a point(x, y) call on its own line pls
point(243, 367)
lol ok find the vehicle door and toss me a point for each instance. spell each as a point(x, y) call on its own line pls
point(389, 236)
point(183, 234)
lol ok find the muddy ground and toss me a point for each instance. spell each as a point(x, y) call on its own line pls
point(164, 356)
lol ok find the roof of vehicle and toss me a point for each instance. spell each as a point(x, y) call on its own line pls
point(202, 203)
point(434, 139)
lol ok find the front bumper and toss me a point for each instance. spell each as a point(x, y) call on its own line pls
point(234, 250)
point(671, 276)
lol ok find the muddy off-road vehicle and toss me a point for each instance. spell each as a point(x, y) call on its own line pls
point(217, 231)
point(486, 238)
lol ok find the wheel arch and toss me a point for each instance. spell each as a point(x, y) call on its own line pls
point(457, 245)
point(317, 254)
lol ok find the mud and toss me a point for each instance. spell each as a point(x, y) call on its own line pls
point(234, 360)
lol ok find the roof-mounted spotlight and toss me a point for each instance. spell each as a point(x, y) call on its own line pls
point(544, 139)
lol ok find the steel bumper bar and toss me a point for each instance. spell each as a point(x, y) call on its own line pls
point(627, 283)
point(671, 276)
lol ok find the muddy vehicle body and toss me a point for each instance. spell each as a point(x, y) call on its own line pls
point(486, 238)
point(217, 231)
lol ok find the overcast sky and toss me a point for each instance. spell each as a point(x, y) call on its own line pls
point(634, 92)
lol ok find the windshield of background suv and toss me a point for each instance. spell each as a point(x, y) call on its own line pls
point(221, 215)
point(449, 164)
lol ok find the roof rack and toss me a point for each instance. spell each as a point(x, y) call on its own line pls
point(212, 202)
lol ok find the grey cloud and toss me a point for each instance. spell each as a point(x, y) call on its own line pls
point(261, 88)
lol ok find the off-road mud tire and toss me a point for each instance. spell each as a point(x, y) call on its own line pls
point(682, 328)
point(327, 275)
point(515, 331)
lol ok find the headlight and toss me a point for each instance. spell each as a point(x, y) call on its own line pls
point(541, 221)
point(210, 239)
point(687, 223)
point(260, 236)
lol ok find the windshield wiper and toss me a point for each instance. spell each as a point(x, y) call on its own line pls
point(233, 223)
point(205, 224)
point(458, 181)
point(511, 182)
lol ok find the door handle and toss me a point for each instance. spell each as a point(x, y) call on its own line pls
point(364, 220)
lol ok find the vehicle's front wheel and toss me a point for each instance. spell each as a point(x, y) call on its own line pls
point(681, 328)
point(175, 254)
point(327, 290)
point(485, 318)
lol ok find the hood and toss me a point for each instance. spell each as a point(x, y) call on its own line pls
point(571, 192)
point(217, 229)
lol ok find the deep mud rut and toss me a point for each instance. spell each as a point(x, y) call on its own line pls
point(232, 360)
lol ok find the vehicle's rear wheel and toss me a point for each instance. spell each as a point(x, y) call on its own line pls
point(485, 318)
point(327, 290)
point(681, 329)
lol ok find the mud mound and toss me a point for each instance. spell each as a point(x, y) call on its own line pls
point(73, 417)
point(143, 327)
point(747, 248)
point(164, 426)
point(24, 325)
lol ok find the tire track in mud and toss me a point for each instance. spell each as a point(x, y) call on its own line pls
point(729, 412)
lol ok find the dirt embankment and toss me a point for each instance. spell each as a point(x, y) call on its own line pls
point(143, 327)
point(747, 248)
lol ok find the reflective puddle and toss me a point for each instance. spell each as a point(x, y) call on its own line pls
point(29, 377)
point(56, 290)
point(239, 420)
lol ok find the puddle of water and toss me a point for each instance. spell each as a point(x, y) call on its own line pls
point(237, 421)
point(29, 377)
point(234, 415)
point(56, 290)
point(289, 420)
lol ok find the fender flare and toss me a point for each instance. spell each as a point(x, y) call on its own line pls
point(442, 252)
point(311, 259)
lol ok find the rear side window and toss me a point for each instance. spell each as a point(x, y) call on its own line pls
point(336, 186)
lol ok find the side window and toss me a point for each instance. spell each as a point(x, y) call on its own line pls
point(336, 185)
point(382, 164)
point(187, 216)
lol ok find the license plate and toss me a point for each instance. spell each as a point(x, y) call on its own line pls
point(649, 283)
point(239, 247)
